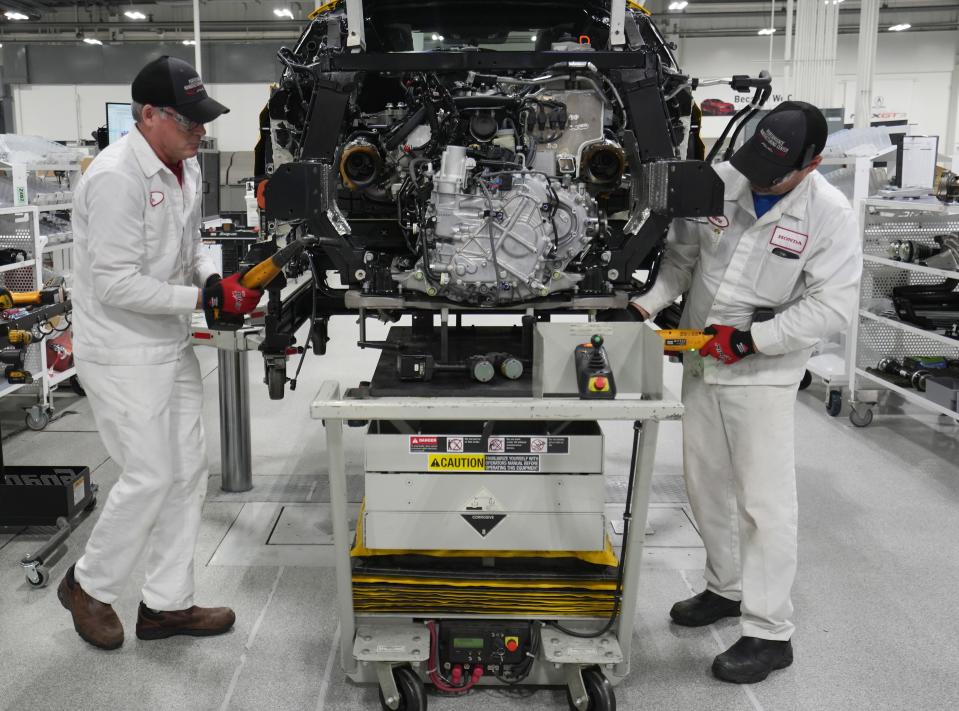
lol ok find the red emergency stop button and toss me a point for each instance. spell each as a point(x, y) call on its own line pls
point(512, 644)
point(599, 382)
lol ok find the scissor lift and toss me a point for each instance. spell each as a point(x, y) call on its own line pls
point(586, 653)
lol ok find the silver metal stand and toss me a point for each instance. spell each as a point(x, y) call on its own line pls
point(235, 458)
point(233, 376)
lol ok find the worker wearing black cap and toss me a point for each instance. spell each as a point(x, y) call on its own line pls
point(786, 245)
point(139, 273)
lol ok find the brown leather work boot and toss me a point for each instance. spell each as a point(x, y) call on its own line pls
point(94, 621)
point(194, 621)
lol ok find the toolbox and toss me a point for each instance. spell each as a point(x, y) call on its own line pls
point(38, 496)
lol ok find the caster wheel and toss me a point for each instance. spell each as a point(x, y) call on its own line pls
point(276, 382)
point(806, 380)
point(834, 406)
point(77, 387)
point(412, 693)
point(37, 576)
point(92, 505)
point(37, 419)
point(860, 420)
point(598, 690)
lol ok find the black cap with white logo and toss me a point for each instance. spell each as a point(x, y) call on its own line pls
point(171, 82)
point(787, 139)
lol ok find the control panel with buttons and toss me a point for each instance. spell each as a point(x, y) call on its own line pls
point(495, 645)
point(594, 375)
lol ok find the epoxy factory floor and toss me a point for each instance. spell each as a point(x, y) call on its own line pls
point(875, 595)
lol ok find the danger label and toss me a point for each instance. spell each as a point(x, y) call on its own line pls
point(483, 463)
point(475, 444)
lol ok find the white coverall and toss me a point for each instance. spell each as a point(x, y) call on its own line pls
point(738, 438)
point(138, 262)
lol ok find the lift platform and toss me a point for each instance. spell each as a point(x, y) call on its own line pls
point(521, 592)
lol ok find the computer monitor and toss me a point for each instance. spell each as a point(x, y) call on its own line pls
point(119, 121)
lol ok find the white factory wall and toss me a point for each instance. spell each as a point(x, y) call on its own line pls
point(71, 112)
point(913, 70)
point(913, 74)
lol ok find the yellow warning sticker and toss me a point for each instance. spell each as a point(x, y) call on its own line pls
point(457, 462)
point(483, 463)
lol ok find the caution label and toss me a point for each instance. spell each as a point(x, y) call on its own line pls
point(483, 463)
point(512, 463)
point(475, 444)
point(457, 463)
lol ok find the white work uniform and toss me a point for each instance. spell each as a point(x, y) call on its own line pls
point(138, 262)
point(802, 259)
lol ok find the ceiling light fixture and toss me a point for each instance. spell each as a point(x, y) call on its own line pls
point(767, 31)
point(14, 15)
point(533, 38)
point(135, 15)
point(283, 12)
point(189, 43)
point(92, 40)
point(678, 5)
point(900, 27)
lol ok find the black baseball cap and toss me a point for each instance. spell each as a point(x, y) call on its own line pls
point(171, 82)
point(786, 139)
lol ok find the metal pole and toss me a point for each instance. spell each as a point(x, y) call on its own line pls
point(341, 540)
point(788, 51)
point(772, 25)
point(196, 38)
point(865, 66)
point(639, 505)
point(235, 460)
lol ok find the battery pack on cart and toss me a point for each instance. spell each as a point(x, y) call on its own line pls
point(38, 496)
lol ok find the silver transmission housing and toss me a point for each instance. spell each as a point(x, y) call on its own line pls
point(479, 229)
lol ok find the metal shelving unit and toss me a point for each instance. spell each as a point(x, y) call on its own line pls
point(877, 331)
point(22, 227)
point(834, 360)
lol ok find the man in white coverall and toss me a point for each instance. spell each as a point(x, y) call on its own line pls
point(138, 261)
point(787, 242)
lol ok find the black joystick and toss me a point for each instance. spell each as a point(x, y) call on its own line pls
point(594, 375)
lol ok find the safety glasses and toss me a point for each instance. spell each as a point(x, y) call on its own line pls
point(183, 122)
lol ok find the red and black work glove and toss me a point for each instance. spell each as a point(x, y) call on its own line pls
point(728, 345)
point(226, 301)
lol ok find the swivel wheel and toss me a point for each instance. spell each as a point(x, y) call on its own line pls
point(806, 380)
point(863, 419)
point(37, 575)
point(834, 404)
point(599, 692)
point(412, 693)
point(276, 382)
point(37, 418)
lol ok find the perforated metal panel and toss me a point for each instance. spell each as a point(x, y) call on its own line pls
point(16, 231)
point(884, 228)
point(878, 339)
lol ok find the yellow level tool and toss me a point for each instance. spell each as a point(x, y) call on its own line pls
point(677, 340)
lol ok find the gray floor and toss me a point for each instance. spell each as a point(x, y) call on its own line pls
point(875, 598)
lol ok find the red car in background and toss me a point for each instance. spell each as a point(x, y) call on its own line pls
point(717, 107)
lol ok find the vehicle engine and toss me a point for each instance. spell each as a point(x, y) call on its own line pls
point(471, 178)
